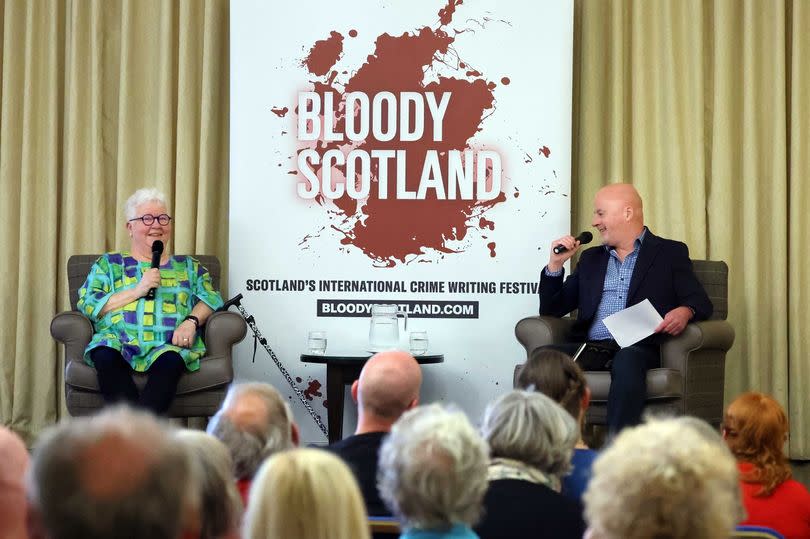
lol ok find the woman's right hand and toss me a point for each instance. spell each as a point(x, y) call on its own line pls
point(149, 280)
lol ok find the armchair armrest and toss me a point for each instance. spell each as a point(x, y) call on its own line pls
point(223, 329)
point(535, 331)
point(706, 335)
point(74, 330)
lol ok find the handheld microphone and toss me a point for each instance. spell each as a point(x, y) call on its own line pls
point(157, 251)
point(583, 238)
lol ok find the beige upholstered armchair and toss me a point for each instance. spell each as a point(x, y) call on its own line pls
point(690, 380)
point(199, 393)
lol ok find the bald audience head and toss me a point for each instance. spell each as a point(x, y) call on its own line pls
point(120, 474)
point(13, 465)
point(254, 422)
point(388, 386)
point(618, 214)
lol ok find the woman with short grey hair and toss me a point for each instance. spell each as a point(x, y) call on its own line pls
point(531, 439)
point(432, 473)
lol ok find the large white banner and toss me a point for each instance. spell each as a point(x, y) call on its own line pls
point(452, 123)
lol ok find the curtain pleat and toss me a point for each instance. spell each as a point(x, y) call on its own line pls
point(98, 98)
point(703, 105)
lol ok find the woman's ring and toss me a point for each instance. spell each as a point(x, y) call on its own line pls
point(185, 338)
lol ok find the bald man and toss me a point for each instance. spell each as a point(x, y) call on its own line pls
point(388, 386)
point(13, 465)
point(631, 265)
point(120, 474)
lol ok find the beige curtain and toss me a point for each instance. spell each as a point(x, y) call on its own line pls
point(98, 98)
point(705, 107)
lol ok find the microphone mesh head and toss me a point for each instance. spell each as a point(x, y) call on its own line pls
point(585, 237)
point(157, 246)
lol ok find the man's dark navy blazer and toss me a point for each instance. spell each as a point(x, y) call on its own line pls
point(663, 274)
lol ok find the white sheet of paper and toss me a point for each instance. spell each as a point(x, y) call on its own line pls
point(633, 323)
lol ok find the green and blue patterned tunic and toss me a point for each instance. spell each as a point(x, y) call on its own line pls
point(143, 329)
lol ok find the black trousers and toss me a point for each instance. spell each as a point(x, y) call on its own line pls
point(628, 382)
point(116, 383)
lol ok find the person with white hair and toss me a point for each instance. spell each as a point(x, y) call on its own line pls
point(117, 475)
point(305, 494)
point(220, 504)
point(254, 422)
point(146, 319)
point(668, 478)
point(432, 473)
point(530, 439)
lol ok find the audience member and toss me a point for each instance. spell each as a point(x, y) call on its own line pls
point(755, 428)
point(388, 386)
point(664, 479)
point(433, 473)
point(531, 439)
point(254, 422)
point(117, 475)
point(220, 504)
point(13, 465)
point(305, 494)
point(555, 374)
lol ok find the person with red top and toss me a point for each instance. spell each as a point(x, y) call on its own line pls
point(755, 427)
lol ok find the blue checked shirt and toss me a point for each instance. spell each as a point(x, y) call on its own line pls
point(614, 290)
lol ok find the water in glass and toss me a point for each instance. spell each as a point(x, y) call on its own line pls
point(316, 343)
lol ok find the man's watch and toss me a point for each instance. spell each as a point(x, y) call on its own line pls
point(197, 320)
point(691, 309)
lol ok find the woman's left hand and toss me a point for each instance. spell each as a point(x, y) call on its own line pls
point(185, 334)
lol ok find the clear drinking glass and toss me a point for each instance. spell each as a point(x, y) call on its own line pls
point(418, 342)
point(316, 343)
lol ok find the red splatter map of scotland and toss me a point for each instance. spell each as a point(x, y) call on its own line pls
point(408, 152)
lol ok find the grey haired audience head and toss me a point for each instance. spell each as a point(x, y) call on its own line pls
point(668, 478)
point(120, 474)
point(433, 469)
point(13, 465)
point(254, 422)
point(220, 503)
point(531, 428)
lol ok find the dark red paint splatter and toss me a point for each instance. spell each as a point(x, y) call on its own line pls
point(323, 55)
point(281, 113)
point(517, 192)
point(312, 390)
point(505, 81)
point(491, 246)
point(446, 13)
point(390, 230)
point(325, 403)
point(545, 151)
point(485, 223)
point(298, 379)
point(352, 33)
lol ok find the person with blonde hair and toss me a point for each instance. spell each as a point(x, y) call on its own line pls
point(755, 427)
point(305, 494)
point(220, 504)
point(666, 479)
